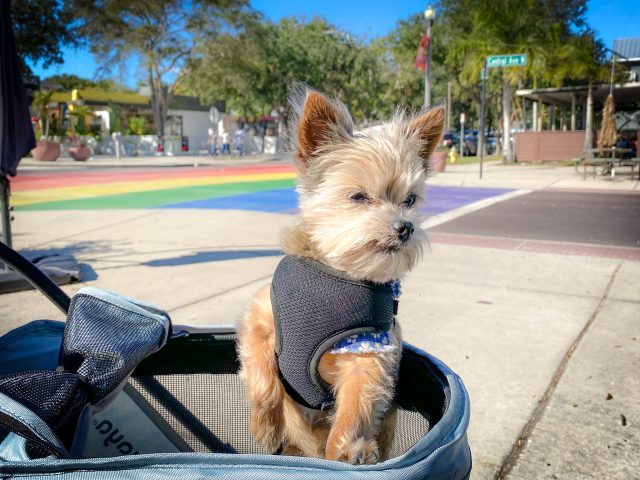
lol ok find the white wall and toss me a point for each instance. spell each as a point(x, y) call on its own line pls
point(194, 125)
point(103, 115)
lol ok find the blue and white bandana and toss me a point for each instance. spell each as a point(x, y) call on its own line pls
point(369, 342)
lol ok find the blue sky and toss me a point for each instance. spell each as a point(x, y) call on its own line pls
point(611, 19)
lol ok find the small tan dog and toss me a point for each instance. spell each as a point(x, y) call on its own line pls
point(359, 225)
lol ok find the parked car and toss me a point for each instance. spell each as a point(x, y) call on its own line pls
point(492, 144)
point(470, 145)
point(451, 139)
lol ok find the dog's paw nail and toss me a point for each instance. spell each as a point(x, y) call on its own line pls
point(363, 452)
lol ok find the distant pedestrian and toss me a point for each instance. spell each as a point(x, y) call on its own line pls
point(213, 142)
point(239, 140)
point(225, 142)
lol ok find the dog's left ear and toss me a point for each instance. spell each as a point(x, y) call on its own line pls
point(428, 127)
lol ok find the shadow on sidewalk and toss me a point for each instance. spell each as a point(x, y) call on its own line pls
point(214, 256)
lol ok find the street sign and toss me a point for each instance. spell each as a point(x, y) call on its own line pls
point(513, 60)
point(484, 73)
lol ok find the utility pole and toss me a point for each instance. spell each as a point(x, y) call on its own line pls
point(462, 135)
point(448, 106)
point(481, 139)
point(429, 15)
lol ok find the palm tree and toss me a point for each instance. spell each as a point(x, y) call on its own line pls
point(555, 38)
point(80, 113)
point(42, 107)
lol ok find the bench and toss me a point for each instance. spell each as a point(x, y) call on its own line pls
point(609, 163)
point(590, 162)
point(631, 162)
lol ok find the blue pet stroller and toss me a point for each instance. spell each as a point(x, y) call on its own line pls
point(117, 392)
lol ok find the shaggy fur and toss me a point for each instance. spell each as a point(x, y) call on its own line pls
point(353, 192)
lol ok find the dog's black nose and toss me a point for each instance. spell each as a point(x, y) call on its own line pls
point(404, 229)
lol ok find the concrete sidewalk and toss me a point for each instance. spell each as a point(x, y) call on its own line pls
point(533, 177)
point(29, 163)
point(539, 339)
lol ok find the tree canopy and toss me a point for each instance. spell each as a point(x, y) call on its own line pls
point(41, 29)
point(161, 34)
point(223, 50)
point(252, 69)
point(70, 81)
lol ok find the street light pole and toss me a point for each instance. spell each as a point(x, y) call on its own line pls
point(481, 136)
point(462, 135)
point(429, 15)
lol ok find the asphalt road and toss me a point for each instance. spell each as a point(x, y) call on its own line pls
point(580, 217)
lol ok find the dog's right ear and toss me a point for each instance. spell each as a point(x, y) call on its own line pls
point(322, 121)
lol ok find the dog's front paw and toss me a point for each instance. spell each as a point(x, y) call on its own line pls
point(360, 452)
point(267, 428)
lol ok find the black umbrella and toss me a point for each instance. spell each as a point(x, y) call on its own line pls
point(16, 140)
point(16, 132)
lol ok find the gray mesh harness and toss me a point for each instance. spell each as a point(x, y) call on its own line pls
point(315, 306)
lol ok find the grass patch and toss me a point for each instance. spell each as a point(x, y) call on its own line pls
point(476, 159)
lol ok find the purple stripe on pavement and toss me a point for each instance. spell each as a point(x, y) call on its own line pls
point(285, 200)
point(444, 199)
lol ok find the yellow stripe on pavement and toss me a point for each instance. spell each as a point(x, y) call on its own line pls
point(102, 189)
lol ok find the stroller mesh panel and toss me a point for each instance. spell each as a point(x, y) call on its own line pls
point(191, 386)
point(209, 413)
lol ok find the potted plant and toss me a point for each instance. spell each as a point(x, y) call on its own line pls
point(439, 158)
point(79, 150)
point(138, 125)
point(47, 148)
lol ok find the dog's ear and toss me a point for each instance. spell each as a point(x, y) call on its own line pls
point(428, 127)
point(323, 121)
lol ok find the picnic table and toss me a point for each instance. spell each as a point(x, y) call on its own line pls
point(608, 158)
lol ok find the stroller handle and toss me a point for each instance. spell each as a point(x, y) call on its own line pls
point(35, 277)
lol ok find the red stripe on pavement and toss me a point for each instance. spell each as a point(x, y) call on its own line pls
point(591, 190)
point(70, 179)
point(537, 246)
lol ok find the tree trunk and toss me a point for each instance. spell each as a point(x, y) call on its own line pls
point(507, 156)
point(158, 104)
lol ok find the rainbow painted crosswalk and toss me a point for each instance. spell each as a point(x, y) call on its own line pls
point(167, 188)
point(265, 188)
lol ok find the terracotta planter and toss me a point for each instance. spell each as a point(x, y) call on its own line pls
point(46, 151)
point(439, 161)
point(80, 153)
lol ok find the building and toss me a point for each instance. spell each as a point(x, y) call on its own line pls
point(557, 118)
point(187, 123)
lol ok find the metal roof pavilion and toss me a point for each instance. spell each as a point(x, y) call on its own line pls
point(628, 49)
point(627, 95)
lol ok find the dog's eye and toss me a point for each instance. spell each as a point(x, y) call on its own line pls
point(360, 197)
point(410, 200)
